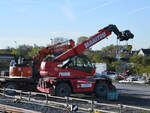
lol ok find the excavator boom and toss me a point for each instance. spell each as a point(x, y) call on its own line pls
point(57, 48)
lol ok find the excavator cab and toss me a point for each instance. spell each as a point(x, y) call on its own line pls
point(20, 69)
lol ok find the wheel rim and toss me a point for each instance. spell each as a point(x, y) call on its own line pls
point(63, 89)
point(101, 90)
point(63, 92)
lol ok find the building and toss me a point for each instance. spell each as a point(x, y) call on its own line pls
point(7, 56)
point(100, 67)
point(144, 52)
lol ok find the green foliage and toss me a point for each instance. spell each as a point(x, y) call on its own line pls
point(13, 51)
point(97, 58)
point(26, 51)
point(33, 51)
point(23, 50)
point(5, 51)
point(81, 39)
point(109, 51)
point(141, 64)
point(146, 60)
point(137, 64)
point(4, 64)
point(136, 59)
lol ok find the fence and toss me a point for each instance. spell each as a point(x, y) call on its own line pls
point(28, 96)
point(11, 109)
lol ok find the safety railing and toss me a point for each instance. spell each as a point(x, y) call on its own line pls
point(68, 102)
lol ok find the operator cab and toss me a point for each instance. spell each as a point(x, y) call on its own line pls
point(81, 63)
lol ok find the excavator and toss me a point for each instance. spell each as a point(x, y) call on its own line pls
point(22, 70)
point(24, 73)
point(72, 72)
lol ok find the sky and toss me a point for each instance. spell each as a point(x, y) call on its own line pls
point(37, 21)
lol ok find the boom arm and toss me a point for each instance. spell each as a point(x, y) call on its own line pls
point(53, 49)
point(102, 34)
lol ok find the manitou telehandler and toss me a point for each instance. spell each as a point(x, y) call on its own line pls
point(72, 72)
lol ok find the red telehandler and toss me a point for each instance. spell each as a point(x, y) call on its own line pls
point(24, 74)
point(72, 72)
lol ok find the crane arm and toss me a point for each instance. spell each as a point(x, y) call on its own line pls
point(102, 34)
point(53, 49)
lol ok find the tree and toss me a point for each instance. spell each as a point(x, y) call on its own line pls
point(109, 51)
point(33, 51)
point(81, 39)
point(23, 50)
point(97, 58)
point(136, 59)
point(8, 50)
point(141, 64)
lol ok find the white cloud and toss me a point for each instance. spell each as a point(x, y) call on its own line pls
point(138, 10)
point(109, 2)
point(64, 33)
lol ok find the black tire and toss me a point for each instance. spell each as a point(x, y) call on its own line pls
point(10, 85)
point(63, 89)
point(101, 89)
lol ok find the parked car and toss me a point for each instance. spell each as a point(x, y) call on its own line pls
point(132, 78)
point(112, 75)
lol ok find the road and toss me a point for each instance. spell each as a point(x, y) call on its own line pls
point(131, 94)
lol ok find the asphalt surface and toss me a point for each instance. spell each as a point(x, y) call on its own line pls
point(133, 94)
point(129, 94)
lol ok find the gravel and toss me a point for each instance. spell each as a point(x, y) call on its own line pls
point(30, 106)
point(43, 108)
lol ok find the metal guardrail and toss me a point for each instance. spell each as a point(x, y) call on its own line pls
point(11, 109)
point(29, 98)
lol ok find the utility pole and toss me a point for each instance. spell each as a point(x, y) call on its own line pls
point(15, 44)
point(52, 42)
point(118, 51)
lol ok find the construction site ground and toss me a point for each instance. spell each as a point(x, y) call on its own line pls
point(129, 94)
point(134, 94)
